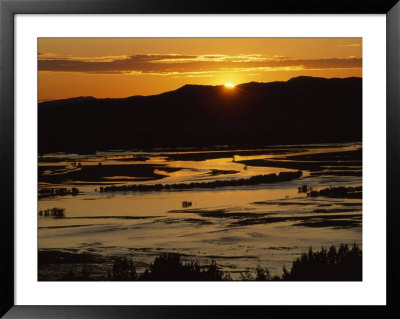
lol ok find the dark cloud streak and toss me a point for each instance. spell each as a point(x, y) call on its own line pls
point(176, 64)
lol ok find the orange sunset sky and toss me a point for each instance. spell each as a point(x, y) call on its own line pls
point(121, 67)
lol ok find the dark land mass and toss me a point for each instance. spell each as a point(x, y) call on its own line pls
point(333, 210)
point(337, 220)
point(338, 192)
point(348, 163)
point(345, 156)
point(201, 156)
point(195, 221)
point(56, 257)
point(219, 213)
point(133, 159)
point(301, 110)
point(337, 173)
point(98, 173)
point(112, 217)
point(52, 192)
point(254, 180)
point(316, 218)
point(287, 203)
point(333, 264)
point(306, 165)
point(215, 172)
point(340, 224)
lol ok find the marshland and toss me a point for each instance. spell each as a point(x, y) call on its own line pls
point(244, 209)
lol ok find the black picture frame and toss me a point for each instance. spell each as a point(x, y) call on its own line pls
point(9, 8)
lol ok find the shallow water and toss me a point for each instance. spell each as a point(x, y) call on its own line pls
point(241, 228)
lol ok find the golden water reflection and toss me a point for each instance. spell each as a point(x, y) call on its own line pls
point(229, 222)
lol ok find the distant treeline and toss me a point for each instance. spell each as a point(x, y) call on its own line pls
point(254, 180)
point(337, 192)
point(49, 192)
point(342, 264)
point(54, 212)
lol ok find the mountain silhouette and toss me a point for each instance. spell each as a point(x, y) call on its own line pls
point(300, 110)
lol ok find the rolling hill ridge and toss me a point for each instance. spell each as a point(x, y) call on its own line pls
point(300, 110)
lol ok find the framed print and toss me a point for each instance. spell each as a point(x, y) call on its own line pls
point(164, 159)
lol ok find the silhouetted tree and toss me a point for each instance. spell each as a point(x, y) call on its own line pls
point(343, 264)
point(123, 270)
point(169, 267)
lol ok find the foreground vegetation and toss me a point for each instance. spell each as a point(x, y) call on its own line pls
point(168, 267)
point(333, 264)
point(343, 264)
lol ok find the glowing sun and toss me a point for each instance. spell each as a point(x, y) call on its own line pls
point(229, 85)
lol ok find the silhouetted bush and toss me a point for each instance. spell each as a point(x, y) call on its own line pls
point(186, 204)
point(246, 276)
point(169, 267)
point(341, 264)
point(122, 270)
point(260, 275)
point(264, 274)
point(304, 188)
point(83, 276)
